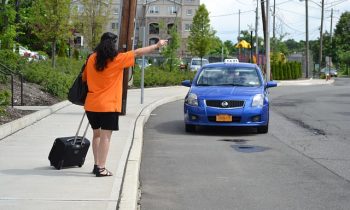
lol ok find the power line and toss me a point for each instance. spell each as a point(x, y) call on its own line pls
point(235, 13)
point(301, 14)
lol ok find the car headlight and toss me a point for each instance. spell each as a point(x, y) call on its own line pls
point(192, 99)
point(258, 100)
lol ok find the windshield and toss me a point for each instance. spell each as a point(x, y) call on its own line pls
point(198, 62)
point(228, 76)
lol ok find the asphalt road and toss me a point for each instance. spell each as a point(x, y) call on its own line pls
point(302, 163)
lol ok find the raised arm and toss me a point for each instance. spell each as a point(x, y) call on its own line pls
point(151, 48)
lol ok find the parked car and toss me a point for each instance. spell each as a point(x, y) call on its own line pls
point(139, 62)
point(197, 63)
point(30, 55)
point(333, 71)
point(227, 94)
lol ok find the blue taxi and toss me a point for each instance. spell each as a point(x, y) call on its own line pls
point(228, 94)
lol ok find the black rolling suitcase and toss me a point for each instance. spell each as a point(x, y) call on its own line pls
point(70, 151)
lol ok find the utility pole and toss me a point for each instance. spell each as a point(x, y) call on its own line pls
point(274, 26)
point(239, 33)
point(331, 30)
point(239, 26)
point(321, 38)
point(126, 42)
point(256, 33)
point(307, 39)
point(267, 42)
point(263, 16)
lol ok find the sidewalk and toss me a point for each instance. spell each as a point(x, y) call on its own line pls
point(303, 82)
point(27, 181)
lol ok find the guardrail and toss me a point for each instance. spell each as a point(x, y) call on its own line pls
point(8, 72)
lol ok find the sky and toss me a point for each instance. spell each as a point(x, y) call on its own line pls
point(290, 17)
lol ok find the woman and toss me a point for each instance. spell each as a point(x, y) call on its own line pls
point(104, 76)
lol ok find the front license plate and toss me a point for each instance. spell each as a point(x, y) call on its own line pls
point(223, 118)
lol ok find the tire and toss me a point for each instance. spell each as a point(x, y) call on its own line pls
point(263, 129)
point(190, 128)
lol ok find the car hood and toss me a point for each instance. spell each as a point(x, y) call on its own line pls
point(223, 91)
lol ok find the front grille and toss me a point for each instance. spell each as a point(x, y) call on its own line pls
point(222, 103)
point(234, 119)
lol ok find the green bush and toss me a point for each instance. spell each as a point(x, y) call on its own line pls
point(155, 76)
point(286, 71)
point(55, 81)
point(12, 60)
point(4, 100)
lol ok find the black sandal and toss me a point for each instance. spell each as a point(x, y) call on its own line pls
point(95, 170)
point(100, 172)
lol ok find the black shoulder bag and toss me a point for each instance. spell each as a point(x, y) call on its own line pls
point(78, 91)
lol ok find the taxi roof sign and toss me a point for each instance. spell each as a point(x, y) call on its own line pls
point(232, 60)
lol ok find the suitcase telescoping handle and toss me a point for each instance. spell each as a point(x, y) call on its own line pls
point(76, 135)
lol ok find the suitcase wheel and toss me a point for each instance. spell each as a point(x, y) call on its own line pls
point(80, 166)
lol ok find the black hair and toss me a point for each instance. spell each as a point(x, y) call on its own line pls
point(106, 50)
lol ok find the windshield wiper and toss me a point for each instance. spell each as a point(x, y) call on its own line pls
point(203, 85)
point(229, 84)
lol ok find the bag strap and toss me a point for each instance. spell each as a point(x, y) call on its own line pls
point(77, 133)
point(83, 67)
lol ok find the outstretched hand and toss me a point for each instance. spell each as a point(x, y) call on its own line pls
point(162, 43)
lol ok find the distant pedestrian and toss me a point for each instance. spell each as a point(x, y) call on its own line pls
point(104, 76)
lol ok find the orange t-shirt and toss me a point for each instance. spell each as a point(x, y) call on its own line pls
point(105, 87)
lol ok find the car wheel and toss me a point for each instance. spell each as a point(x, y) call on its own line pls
point(190, 128)
point(263, 129)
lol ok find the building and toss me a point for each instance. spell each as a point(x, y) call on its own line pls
point(157, 16)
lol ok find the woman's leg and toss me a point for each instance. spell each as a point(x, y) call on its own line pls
point(103, 147)
point(95, 144)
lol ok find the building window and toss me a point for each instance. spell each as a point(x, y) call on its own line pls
point(154, 28)
point(80, 9)
point(189, 12)
point(116, 10)
point(153, 41)
point(154, 10)
point(188, 27)
point(170, 26)
point(114, 25)
point(172, 10)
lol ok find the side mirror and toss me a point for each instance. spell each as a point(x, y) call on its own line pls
point(186, 83)
point(271, 84)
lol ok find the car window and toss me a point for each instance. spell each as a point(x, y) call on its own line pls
point(198, 62)
point(226, 76)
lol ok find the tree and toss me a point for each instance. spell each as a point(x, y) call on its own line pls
point(92, 20)
point(342, 32)
point(218, 48)
point(50, 21)
point(170, 52)
point(344, 58)
point(7, 24)
point(294, 46)
point(201, 36)
point(25, 33)
point(341, 36)
point(232, 50)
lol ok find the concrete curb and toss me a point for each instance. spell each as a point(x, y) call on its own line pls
point(304, 82)
point(16, 125)
point(130, 194)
